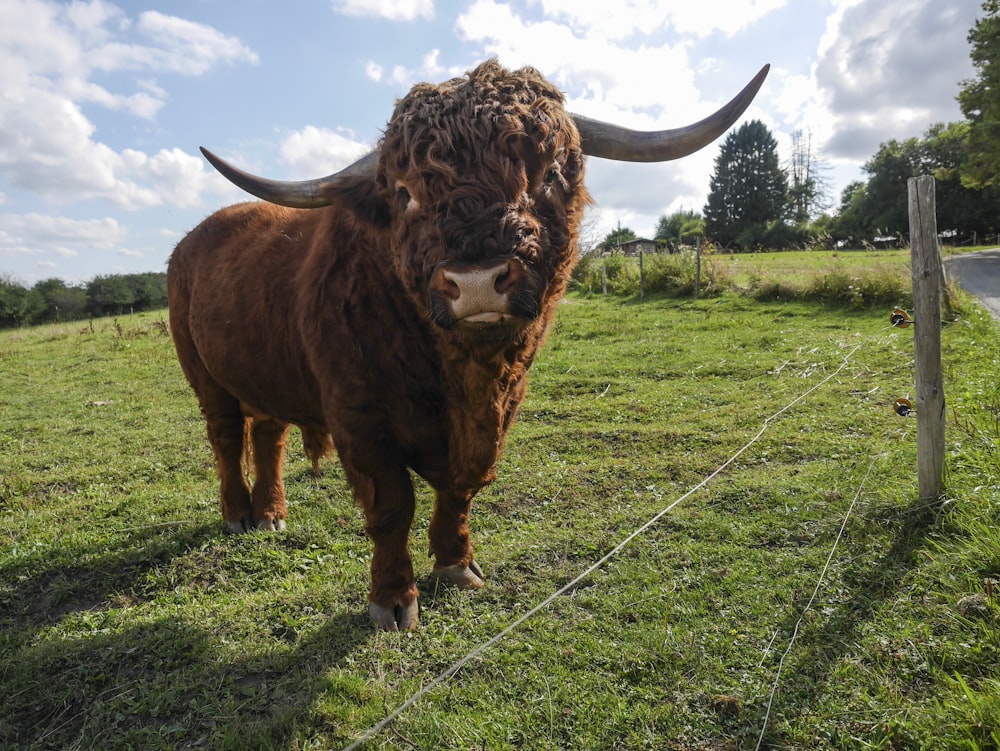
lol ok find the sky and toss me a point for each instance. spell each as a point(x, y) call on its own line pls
point(103, 105)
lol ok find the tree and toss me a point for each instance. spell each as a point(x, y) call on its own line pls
point(62, 303)
point(18, 304)
point(149, 290)
point(880, 204)
point(959, 206)
point(806, 185)
point(979, 99)
point(108, 295)
point(850, 225)
point(615, 238)
point(885, 206)
point(680, 228)
point(748, 188)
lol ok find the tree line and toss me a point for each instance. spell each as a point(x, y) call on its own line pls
point(52, 300)
point(756, 200)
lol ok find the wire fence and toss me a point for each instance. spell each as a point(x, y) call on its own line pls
point(447, 674)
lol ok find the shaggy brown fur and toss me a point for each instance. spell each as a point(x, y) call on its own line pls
point(342, 320)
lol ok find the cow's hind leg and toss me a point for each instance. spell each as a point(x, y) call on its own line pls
point(225, 424)
point(268, 495)
point(223, 419)
point(450, 543)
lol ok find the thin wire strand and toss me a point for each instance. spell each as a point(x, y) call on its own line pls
point(459, 664)
point(802, 615)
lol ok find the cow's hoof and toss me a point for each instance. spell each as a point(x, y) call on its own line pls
point(269, 525)
point(463, 577)
point(395, 618)
point(238, 527)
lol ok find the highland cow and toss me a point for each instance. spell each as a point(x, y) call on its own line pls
point(395, 307)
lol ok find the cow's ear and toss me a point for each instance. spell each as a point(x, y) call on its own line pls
point(361, 196)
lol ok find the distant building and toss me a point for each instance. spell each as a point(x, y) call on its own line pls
point(639, 245)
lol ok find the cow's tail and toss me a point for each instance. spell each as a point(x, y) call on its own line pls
point(317, 444)
point(246, 461)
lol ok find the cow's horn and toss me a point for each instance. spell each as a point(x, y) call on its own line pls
point(599, 139)
point(304, 194)
point(624, 145)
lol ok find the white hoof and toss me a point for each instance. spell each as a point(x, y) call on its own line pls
point(268, 525)
point(396, 618)
point(463, 577)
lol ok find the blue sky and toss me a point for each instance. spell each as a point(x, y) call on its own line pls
point(103, 105)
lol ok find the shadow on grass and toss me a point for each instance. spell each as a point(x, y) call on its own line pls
point(822, 643)
point(160, 682)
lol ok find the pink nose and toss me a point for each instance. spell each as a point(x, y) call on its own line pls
point(477, 293)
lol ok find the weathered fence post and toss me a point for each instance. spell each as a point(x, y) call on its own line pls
point(697, 269)
point(604, 277)
point(925, 267)
point(642, 277)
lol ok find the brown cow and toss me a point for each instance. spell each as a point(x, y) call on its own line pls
point(402, 318)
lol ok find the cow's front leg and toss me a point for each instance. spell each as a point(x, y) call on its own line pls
point(386, 496)
point(449, 540)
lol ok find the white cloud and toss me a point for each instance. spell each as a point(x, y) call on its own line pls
point(49, 56)
point(391, 10)
point(314, 152)
point(179, 177)
point(24, 234)
point(602, 76)
point(889, 70)
point(374, 71)
point(59, 159)
point(178, 46)
point(402, 78)
point(620, 20)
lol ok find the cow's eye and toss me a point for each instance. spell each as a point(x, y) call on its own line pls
point(554, 178)
point(404, 197)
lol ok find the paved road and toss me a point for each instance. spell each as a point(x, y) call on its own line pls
point(979, 275)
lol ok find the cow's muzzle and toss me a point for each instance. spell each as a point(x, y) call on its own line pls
point(500, 292)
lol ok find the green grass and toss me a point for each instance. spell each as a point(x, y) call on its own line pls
point(129, 619)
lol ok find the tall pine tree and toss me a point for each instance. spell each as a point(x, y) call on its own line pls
point(747, 189)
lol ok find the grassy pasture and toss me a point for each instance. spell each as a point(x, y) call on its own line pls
point(129, 619)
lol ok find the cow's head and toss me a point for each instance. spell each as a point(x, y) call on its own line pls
point(477, 188)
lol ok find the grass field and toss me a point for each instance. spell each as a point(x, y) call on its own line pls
point(129, 619)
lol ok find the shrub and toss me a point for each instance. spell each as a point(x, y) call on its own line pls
point(622, 274)
point(672, 273)
point(880, 285)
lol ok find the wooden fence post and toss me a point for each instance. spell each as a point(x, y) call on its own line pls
point(642, 277)
point(697, 269)
point(925, 267)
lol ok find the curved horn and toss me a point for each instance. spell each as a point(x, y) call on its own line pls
point(624, 145)
point(599, 139)
point(304, 194)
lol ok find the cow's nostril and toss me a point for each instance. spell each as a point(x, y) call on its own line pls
point(449, 286)
point(502, 283)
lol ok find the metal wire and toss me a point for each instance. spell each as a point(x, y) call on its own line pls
point(462, 662)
